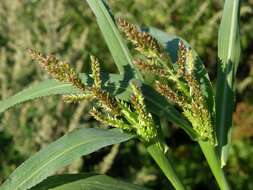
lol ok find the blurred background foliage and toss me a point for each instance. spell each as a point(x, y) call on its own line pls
point(67, 29)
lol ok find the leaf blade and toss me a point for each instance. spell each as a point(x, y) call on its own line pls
point(45, 88)
point(229, 55)
point(87, 181)
point(60, 153)
point(118, 86)
point(115, 43)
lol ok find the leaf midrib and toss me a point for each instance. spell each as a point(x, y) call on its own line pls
point(57, 156)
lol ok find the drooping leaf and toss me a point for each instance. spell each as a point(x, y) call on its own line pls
point(116, 84)
point(118, 48)
point(59, 154)
point(85, 182)
point(229, 55)
point(45, 88)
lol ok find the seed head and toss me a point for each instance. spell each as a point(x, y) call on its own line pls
point(146, 126)
point(58, 69)
point(106, 101)
point(143, 41)
point(110, 120)
point(171, 95)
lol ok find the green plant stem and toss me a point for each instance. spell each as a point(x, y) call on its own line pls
point(214, 163)
point(165, 165)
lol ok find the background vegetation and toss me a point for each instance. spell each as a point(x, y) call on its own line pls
point(68, 29)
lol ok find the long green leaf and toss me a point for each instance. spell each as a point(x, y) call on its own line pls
point(116, 84)
point(229, 55)
point(59, 154)
point(45, 88)
point(113, 39)
point(85, 181)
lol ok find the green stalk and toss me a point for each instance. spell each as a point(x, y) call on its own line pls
point(214, 163)
point(166, 166)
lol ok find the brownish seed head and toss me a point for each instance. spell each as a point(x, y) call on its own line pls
point(58, 69)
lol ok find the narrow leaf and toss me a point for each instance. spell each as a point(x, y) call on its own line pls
point(113, 39)
point(85, 181)
point(229, 55)
point(45, 88)
point(116, 84)
point(59, 154)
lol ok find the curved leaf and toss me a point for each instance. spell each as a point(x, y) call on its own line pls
point(118, 48)
point(45, 88)
point(59, 154)
point(85, 181)
point(229, 55)
point(116, 84)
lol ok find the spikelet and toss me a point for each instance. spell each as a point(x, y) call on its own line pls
point(95, 67)
point(110, 120)
point(190, 62)
point(106, 101)
point(76, 98)
point(58, 69)
point(181, 58)
point(172, 96)
point(138, 100)
point(144, 42)
point(152, 68)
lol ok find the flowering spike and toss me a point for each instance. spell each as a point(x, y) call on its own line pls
point(58, 69)
point(95, 67)
point(152, 68)
point(190, 61)
point(110, 120)
point(172, 96)
point(75, 98)
point(137, 99)
point(106, 101)
point(181, 58)
point(146, 126)
point(143, 41)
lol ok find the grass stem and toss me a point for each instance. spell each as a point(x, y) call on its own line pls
point(214, 163)
point(165, 165)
